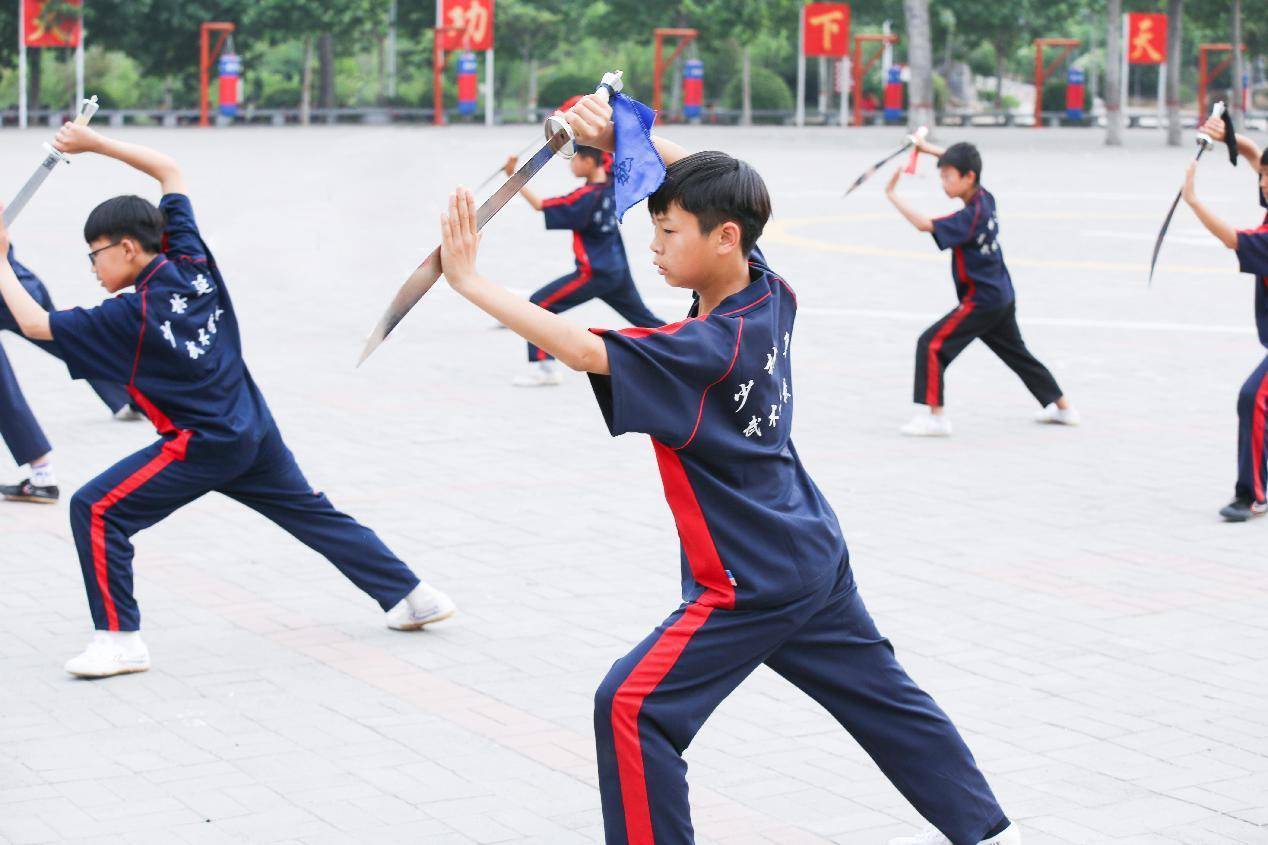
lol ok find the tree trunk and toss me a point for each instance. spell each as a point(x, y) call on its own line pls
point(1175, 17)
point(169, 85)
point(306, 83)
point(1114, 104)
point(999, 79)
point(1239, 116)
point(382, 70)
point(530, 101)
point(746, 89)
point(920, 60)
point(34, 54)
point(326, 68)
point(825, 86)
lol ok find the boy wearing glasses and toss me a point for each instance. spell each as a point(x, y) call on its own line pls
point(173, 341)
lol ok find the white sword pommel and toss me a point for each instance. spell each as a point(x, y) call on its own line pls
point(1204, 139)
point(918, 136)
point(610, 85)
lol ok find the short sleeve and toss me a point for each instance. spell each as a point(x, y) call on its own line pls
point(659, 376)
point(99, 343)
point(955, 229)
point(181, 234)
point(572, 211)
point(1252, 250)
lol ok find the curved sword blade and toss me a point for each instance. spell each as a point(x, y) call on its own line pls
point(867, 174)
point(1166, 224)
point(426, 274)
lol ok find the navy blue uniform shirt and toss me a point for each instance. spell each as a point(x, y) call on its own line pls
point(977, 263)
point(716, 395)
point(590, 212)
point(1252, 257)
point(173, 340)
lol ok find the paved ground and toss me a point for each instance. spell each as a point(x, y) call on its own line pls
point(1069, 596)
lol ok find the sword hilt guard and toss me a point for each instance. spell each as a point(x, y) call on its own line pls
point(609, 87)
point(87, 108)
point(1205, 140)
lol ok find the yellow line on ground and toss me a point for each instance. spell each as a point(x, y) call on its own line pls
point(780, 232)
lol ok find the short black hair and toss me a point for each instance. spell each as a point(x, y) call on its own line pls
point(716, 187)
point(964, 157)
point(127, 216)
point(1263, 157)
point(593, 153)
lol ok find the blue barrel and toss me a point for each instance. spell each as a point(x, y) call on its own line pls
point(467, 87)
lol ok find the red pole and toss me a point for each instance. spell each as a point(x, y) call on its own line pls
point(203, 61)
point(856, 81)
point(1202, 80)
point(657, 74)
point(1039, 85)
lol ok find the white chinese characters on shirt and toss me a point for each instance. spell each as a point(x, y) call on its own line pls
point(776, 367)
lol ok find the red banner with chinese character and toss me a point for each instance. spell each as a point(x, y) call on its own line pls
point(827, 29)
point(52, 23)
point(1146, 38)
point(466, 25)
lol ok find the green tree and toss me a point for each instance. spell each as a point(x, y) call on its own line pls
point(352, 24)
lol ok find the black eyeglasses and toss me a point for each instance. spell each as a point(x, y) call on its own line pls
point(92, 256)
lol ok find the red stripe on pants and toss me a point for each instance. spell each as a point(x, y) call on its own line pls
point(173, 450)
point(1257, 438)
point(626, 705)
point(934, 377)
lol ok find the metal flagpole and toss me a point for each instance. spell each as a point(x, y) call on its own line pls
point(1126, 68)
point(21, 64)
point(79, 60)
point(489, 99)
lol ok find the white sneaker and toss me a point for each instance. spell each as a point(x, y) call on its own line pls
point(929, 836)
point(926, 424)
point(111, 653)
point(1057, 416)
point(128, 414)
point(423, 606)
point(540, 374)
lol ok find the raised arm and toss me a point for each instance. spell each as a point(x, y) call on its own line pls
point(591, 122)
point(929, 149)
point(574, 346)
point(30, 316)
point(1218, 227)
point(922, 222)
point(72, 138)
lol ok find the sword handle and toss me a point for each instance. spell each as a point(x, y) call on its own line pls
point(919, 135)
point(1203, 138)
point(609, 87)
point(87, 108)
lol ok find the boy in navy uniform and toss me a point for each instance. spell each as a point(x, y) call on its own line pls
point(1251, 246)
point(174, 342)
point(602, 271)
point(18, 427)
point(987, 307)
point(765, 571)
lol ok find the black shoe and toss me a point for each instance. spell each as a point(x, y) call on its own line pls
point(1242, 509)
point(25, 491)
